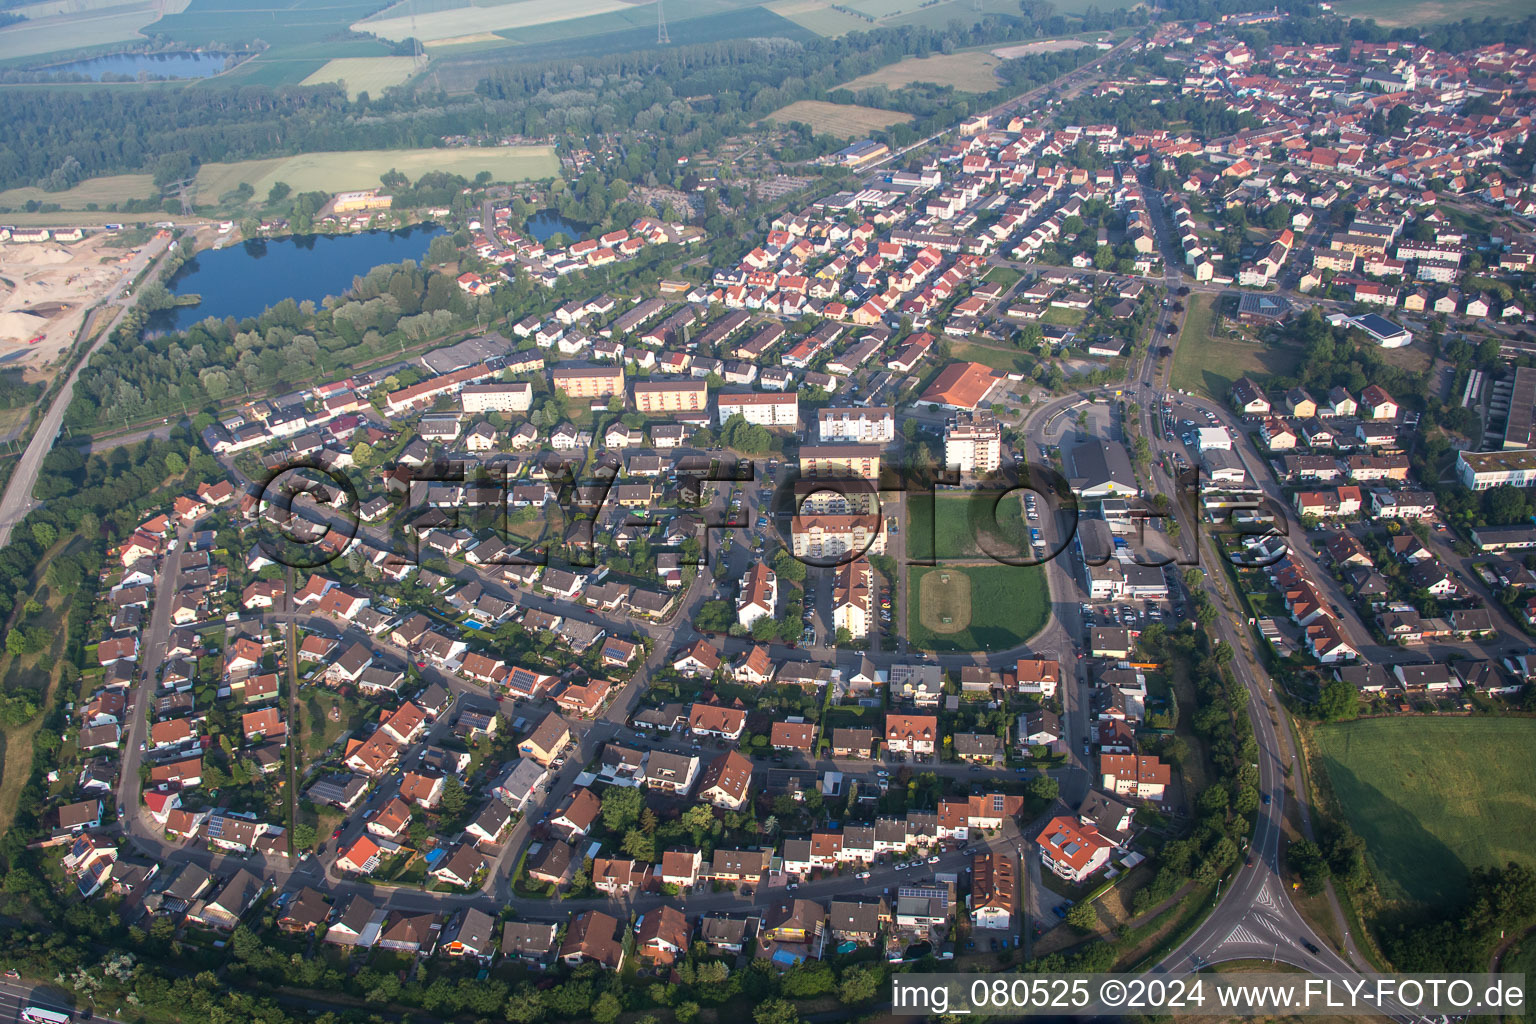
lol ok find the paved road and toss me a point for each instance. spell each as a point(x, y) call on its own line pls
point(14, 995)
point(17, 500)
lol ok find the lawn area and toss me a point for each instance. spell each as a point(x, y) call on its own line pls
point(1207, 366)
point(1522, 960)
point(365, 74)
point(844, 121)
point(1004, 276)
point(1007, 360)
point(326, 716)
point(1063, 317)
point(1435, 797)
point(336, 171)
point(967, 72)
point(990, 607)
point(950, 526)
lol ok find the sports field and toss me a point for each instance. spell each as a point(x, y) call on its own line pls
point(336, 171)
point(989, 607)
point(1208, 366)
point(1434, 797)
point(970, 525)
point(843, 121)
point(365, 74)
point(114, 188)
point(968, 72)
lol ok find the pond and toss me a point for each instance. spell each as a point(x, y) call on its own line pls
point(547, 223)
point(245, 279)
point(155, 65)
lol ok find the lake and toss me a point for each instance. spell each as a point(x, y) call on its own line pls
point(546, 223)
point(164, 65)
point(244, 279)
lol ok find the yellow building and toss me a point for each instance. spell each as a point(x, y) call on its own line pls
point(367, 199)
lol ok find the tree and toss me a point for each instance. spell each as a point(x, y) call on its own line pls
point(175, 465)
point(44, 534)
point(1337, 701)
point(1043, 787)
point(639, 845)
point(765, 628)
point(607, 1008)
point(455, 797)
point(1311, 867)
point(280, 190)
point(858, 985)
point(776, 1011)
point(686, 1012)
point(303, 836)
point(621, 808)
point(1082, 917)
point(788, 567)
point(698, 818)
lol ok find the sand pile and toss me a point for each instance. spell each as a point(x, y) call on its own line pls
point(19, 328)
point(35, 255)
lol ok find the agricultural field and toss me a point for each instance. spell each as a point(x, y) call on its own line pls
point(939, 15)
point(968, 72)
point(460, 61)
point(1429, 12)
point(879, 9)
point(1208, 366)
point(113, 188)
point(336, 171)
point(297, 35)
point(819, 17)
point(466, 20)
point(1434, 797)
point(843, 121)
point(292, 23)
point(365, 74)
point(987, 608)
point(58, 26)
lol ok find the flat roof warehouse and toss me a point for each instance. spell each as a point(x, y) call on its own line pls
point(1383, 331)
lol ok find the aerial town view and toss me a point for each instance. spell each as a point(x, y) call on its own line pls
point(650, 511)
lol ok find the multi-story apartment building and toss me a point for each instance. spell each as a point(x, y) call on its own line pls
point(588, 381)
point(766, 410)
point(852, 596)
point(840, 461)
point(831, 537)
point(514, 397)
point(973, 441)
point(857, 425)
point(668, 396)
